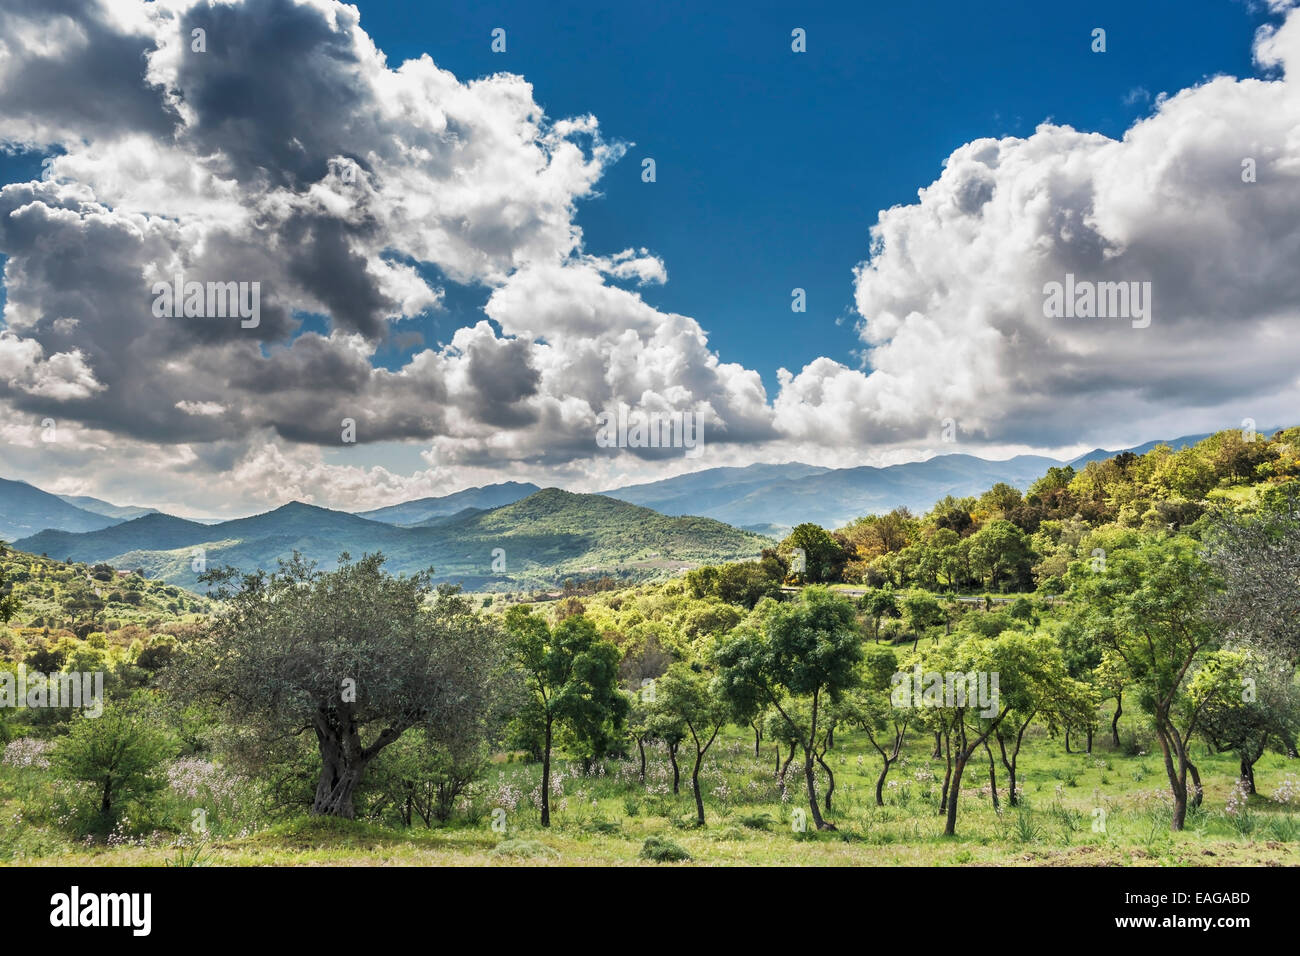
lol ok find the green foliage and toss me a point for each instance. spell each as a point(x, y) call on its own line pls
point(119, 754)
point(659, 850)
point(823, 556)
point(354, 656)
point(741, 583)
point(572, 680)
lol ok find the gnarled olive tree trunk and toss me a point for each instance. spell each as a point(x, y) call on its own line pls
point(343, 759)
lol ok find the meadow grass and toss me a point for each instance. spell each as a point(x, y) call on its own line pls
point(1107, 808)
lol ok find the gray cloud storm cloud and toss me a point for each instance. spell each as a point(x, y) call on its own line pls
point(292, 153)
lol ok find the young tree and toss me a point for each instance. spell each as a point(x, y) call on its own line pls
point(1062, 705)
point(667, 727)
point(886, 726)
point(1151, 607)
point(354, 656)
point(879, 603)
point(417, 776)
point(782, 734)
point(920, 613)
point(807, 649)
point(573, 677)
point(686, 692)
point(1110, 678)
point(1028, 669)
point(120, 752)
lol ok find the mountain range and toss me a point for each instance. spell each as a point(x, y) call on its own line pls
point(535, 541)
point(423, 509)
point(772, 499)
point(544, 534)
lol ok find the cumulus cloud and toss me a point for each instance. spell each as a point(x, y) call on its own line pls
point(288, 153)
point(292, 154)
point(951, 298)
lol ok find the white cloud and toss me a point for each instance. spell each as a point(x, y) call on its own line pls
point(951, 298)
point(392, 175)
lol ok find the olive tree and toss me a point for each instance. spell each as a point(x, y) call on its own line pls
point(354, 656)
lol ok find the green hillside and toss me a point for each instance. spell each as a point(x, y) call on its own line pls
point(543, 539)
point(85, 597)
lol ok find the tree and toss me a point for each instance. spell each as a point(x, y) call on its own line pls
point(1151, 607)
point(667, 727)
point(886, 725)
point(1000, 552)
point(1062, 705)
point(354, 656)
point(119, 752)
point(9, 603)
point(920, 613)
point(686, 693)
point(573, 678)
point(741, 582)
point(823, 556)
point(1014, 672)
point(419, 776)
point(1252, 701)
point(1110, 678)
point(808, 649)
point(1258, 558)
point(879, 603)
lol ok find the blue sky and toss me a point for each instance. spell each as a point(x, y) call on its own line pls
point(988, 144)
point(772, 166)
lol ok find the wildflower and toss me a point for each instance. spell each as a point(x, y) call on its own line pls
point(28, 752)
point(1237, 799)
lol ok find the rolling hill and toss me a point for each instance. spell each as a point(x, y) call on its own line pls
point(543, 538)
point(85, 597)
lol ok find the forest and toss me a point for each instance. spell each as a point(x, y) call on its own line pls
point(1123, 641)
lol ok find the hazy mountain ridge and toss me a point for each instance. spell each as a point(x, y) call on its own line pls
point(421, 510)
point(777, 497)
point(542, 538)
point(26, 509)
point(768, 498)
point(106, 508)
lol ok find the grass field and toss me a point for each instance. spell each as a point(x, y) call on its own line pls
point(1103, 809)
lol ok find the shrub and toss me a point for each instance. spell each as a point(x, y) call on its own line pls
point(659, 850)
point(529, 849)
point(118, 753)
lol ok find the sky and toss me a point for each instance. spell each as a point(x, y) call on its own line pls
point(457, 249)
